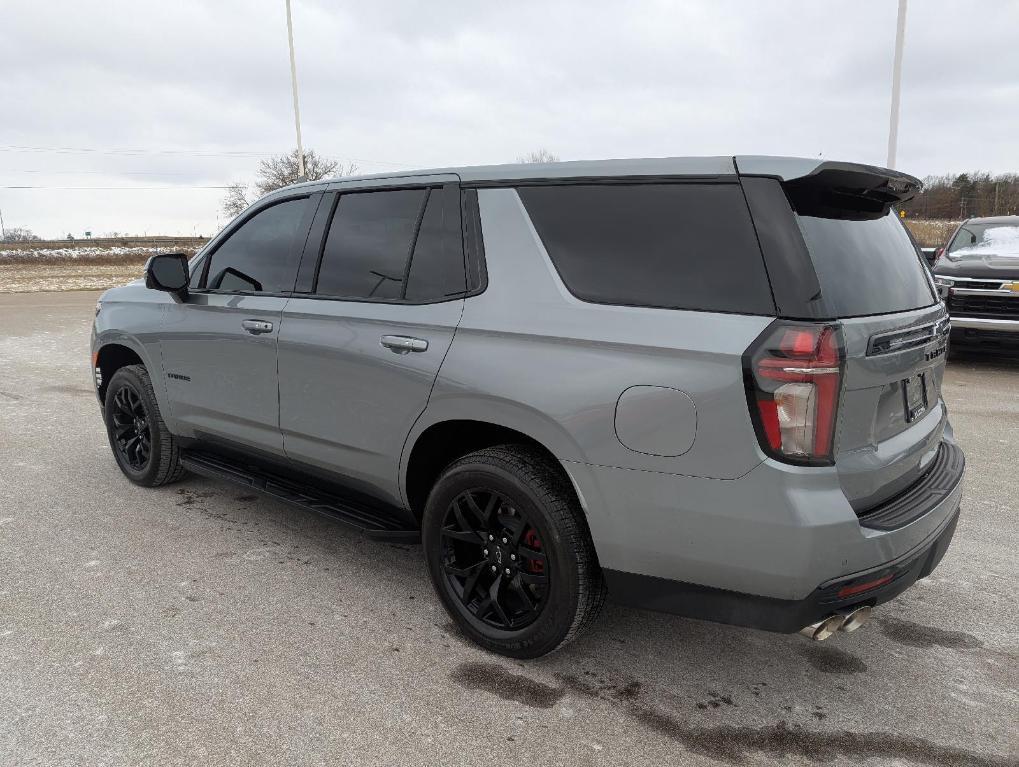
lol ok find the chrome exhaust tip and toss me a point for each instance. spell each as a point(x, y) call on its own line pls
point(824, 628)
point(855, 618)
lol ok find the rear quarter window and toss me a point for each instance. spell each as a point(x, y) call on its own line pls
point(668, 245)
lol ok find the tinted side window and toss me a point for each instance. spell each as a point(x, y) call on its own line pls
point(437, 266)
point(675, 246)
point(368, 246)
point(262, 255)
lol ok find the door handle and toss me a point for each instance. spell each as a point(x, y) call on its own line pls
point(257, 327)
point(404, 344)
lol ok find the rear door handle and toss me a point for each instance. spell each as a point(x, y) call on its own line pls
point(404, 344)
point(257, 327)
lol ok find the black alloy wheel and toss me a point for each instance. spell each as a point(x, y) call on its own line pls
point(130, 428)
point(493, 559)
point(509, 551)
point(145, 450)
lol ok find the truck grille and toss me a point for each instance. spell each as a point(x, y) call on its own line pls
point(1002, 307)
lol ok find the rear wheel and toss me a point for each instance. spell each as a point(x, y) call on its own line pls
point(144, 448)
point(509, 552)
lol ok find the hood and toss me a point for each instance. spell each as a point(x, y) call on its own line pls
point(988, 265)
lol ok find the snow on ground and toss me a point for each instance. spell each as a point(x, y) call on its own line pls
point(84, 254)
point(82, 268)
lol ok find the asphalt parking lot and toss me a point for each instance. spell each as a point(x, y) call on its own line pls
point(198, 624)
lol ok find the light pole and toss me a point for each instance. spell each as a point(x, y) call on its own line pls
point(293, 84)
point(893, 121)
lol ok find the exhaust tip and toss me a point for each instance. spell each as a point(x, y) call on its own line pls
point(856, 618)
point(824, 628)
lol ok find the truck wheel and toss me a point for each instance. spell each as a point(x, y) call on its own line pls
point(145, 450)
point(509, 552)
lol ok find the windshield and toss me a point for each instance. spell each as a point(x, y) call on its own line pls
point(974, 240)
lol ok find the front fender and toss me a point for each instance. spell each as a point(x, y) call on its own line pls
point(134, 324)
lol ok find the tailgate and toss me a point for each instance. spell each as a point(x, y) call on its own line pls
point(892, 416)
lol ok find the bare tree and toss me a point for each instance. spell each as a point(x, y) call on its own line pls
point(539, 155)
point(235, 200)
point(284, 169)
point(18, 234)
point(280, 171)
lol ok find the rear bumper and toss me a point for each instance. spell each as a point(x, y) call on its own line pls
point(775, 537)
point(782, 615)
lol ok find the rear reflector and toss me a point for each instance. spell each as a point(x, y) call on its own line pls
point(859, 588)
point(794, 380)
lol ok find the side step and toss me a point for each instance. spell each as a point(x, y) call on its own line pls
point(374, 523)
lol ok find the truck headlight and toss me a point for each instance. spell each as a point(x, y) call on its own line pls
point(944, 285)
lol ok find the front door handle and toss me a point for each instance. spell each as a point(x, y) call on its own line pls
point(257, 327)
point(404, 344)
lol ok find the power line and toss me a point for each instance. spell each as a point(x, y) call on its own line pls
point(132, 152)
point(174, 152)
point(124, 188)
point(99, 172)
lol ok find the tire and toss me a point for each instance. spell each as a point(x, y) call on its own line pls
point(161, 464)
point(537, 512)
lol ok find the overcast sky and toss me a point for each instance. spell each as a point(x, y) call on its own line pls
point(390, 85)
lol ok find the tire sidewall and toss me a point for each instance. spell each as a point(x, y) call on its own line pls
point(562, 596)
point(127, 377)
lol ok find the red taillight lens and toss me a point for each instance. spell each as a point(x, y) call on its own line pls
point(794, 377)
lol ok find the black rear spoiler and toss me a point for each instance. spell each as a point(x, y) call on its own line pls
point(847, 190)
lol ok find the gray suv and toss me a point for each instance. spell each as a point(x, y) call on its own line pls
point(709, 386)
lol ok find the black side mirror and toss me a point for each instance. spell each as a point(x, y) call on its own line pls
point(168, 272)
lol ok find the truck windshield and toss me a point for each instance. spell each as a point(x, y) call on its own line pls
point(975, 240)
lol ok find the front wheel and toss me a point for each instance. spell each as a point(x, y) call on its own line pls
point(509, 552)
point(144, 448)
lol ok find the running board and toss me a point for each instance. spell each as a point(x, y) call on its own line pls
point(373, 523)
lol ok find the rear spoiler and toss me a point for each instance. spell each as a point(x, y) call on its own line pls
point(843, 190)
point(834, 189)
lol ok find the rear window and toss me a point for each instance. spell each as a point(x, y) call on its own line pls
point(673, 246)
point(866, 266)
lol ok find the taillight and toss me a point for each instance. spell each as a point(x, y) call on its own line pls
point(794, 378)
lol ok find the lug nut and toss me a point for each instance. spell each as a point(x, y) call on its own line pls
point(505, 540)
point(507, 571)
point(513, 557)
point(491, 537)
point(494, 568)
point(486, 552)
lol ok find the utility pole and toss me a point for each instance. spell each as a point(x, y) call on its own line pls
point(893, 121)
point(293, 84)
point(3, 232)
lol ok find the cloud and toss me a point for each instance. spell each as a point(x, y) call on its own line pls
point(412, 84)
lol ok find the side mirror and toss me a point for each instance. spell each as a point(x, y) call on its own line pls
point(168, 272)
